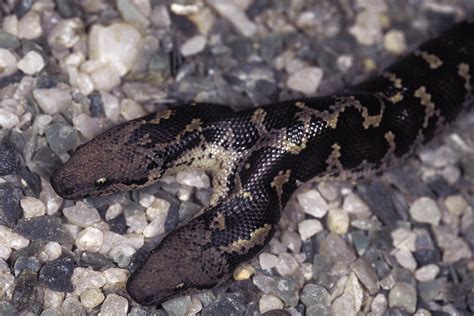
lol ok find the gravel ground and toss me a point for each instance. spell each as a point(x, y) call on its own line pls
point(396, 244)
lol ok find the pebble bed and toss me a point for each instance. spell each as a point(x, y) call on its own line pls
point(398, 243)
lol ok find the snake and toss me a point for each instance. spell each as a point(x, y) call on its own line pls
point(259, 156)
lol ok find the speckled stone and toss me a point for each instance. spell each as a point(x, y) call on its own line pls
point(403, 295)
point(91, 298)
point(114, 305)
point(56, 274)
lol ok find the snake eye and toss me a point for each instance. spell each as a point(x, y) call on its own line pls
point(101, 181)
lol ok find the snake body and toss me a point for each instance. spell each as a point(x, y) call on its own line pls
point(257, 157)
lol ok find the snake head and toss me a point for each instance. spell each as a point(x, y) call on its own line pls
point(116, 160)
point(182, 262)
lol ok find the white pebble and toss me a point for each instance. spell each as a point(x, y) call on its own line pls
point(29, 26)
point(130, 109)
point(156, 208)
point(117, 44)
point(83, 278)
point(116, 278)
point(235, 15)
point(41, 122)
point(81, 214)
point(287, 264)
point(243, 272)
point(305, 80)
point(12, 240)
point(425, 210)
point(104, 76)
point(193, 178)
point(52, 299)
point(88, 126)
point(114, 305)
point(404, 239)
point(8, 120)
point(456, 204)
point(406, 259)
point(31, 63)
point(427, 273)
point(51, 251)
point(353, 204)
point(156, 226)
point(394, 42)
point(268, 260)
point(66, 33)
point(32, 207)
point(10, 24)
point(193, 45)
point(8, 63)
point(338, 221)
point(313, 203)
point(269, 302)
point(113, 211)
point(52, 100)
point(91, 298)
point(111, 106)
point(90, 239)
point(308, 228)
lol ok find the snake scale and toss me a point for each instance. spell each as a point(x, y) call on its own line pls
point(257, 157)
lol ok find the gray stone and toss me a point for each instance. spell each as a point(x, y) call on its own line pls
point(425, 210)
point(335, 248)
point(403, 295)
point(366, 274)
point(114, 305)
point(313, 294)
point(177, 306)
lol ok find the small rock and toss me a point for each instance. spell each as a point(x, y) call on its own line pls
point(268, 260)
point(244, 272)
point(25, 289)
point(287, 264)
point(404, 239)
point(10, 24)
point(353, 204)
point(87, 126)
point(8, 63)
point(338, 221)
point(90, 239)
point(31, 63)
point(194, 178)
point(343, 305)
point(12, 240)
point(81, 214)
point(405, 259)
point(103, 76)
point(308, 228)
point(404, 296)
point(336, 249)
point(178, 305)
point(291, 240)
point(425, 210)
point(87, 278)
point(114, 305)
point(394, 42)
point(269, 303)
point(379, 305)
point(8, 120)
point(116, 278)
point(32, 207)
point(440, 157)
point(72, 306)
point(51, 251)
point(156, 208)
point(231, 11)
point(366, 273)
point(52, 100)
point(305, 80)
point(56, 274)
point(193, 46)
point(132, 13)
point(313, 203)
point(29, 26)
point(91, 298)
point(427, 273)
point(52, 299)
point(456, 204)
point(313, 294)
point(130, 109)
point(117, 45)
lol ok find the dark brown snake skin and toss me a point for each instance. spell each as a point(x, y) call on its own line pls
point(259, 156)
